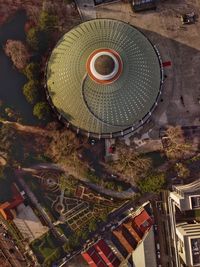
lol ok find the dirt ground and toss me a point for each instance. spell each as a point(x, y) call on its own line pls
point(177, 43)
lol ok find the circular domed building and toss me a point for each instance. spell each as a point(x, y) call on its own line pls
point(104, 78)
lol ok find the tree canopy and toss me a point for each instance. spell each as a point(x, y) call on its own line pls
point(41, 110)
point(131, 165)
point(31, 91)
point(152, 183)
point(32, 71)
point(47, 21)
point(18, 53)
point(176, 146)
point(37, 39)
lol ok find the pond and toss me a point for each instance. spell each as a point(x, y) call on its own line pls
point(11, 80)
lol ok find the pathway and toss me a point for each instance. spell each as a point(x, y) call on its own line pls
point(120, 195)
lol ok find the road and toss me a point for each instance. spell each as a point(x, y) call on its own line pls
point(9, 249)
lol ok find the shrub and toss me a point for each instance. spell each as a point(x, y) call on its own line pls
point(32, 71)
point(30, 91)
point(152, 183)
point(41, 110)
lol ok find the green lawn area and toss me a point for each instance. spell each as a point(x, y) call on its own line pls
point(47, 249)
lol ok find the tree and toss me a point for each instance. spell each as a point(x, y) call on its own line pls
point(47, 21)
point(131, 165)
point(67, 247)
point(41, 110)
point(32, 71)
point(37, 39)
point(152, 183)
point(84, 235)
point(92, 225)
point(176, 146)
point(31, 91)
point(182, 170)
point(103, 216)
point(11, 144)
point(18, 53)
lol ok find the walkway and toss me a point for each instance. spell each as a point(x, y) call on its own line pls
point(120, 195)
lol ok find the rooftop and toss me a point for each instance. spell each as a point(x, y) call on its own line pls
point(104, 77)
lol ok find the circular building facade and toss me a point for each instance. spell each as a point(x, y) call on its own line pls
point(104, 78)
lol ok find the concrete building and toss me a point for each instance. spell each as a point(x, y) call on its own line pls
point(131, 232)
point(100, 255)
point(186, 197)
point(188, 236)
point(145, 253)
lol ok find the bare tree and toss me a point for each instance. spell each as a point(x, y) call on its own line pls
point(131, 165)
point(18, 53)
point(176, 146)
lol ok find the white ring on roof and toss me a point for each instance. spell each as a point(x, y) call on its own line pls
point(97, 74)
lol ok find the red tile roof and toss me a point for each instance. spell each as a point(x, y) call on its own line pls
point(107, 254)
point(143, 221)
point(100, 255)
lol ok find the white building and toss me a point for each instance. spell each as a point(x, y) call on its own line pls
point(188, 243)
point(187, 197)
point(185, 235)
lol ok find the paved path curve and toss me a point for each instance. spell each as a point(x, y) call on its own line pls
point(49, 166)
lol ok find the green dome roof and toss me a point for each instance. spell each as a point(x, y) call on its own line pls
point(104, 108)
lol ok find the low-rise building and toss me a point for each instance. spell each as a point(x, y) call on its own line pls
point(23, 216)
point(100, 255)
